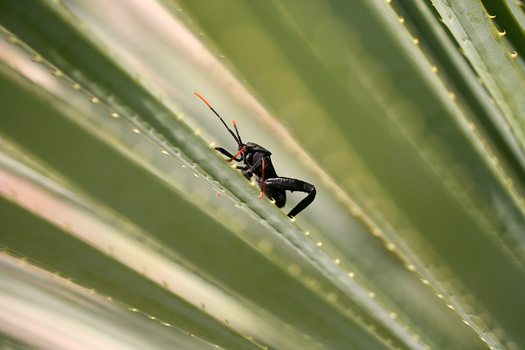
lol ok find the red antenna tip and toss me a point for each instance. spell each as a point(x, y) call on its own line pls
point(233, 122)
point(203, 100)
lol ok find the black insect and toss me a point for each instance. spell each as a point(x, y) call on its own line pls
point(257, 162)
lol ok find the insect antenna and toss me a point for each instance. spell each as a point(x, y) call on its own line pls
point(238, 140)
point(237, 131)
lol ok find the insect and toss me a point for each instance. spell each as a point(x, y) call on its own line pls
point(257, 163)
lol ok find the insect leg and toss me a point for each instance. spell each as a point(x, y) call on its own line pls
point(248, 170)
point(228, 154)
point(236, 154)
point(288, 184)
point(262, 180)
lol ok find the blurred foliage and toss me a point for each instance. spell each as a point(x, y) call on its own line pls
point(121, 224)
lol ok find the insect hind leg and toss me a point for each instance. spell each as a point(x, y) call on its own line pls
point(289, 184)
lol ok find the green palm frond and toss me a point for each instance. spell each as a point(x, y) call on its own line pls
point(122, 227)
